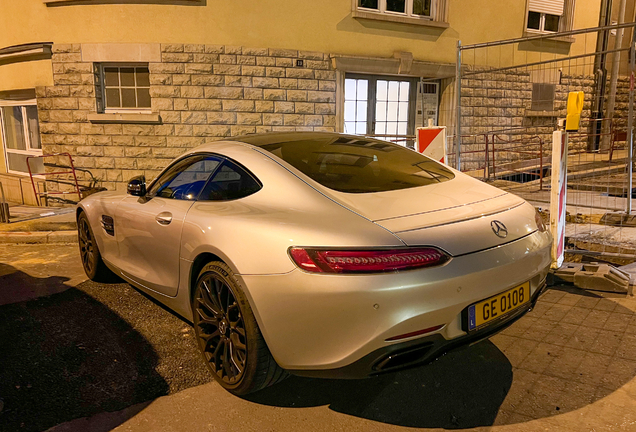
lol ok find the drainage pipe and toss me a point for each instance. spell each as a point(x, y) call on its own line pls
point(611, 96)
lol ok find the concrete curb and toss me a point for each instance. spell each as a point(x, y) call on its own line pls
point(38, 237)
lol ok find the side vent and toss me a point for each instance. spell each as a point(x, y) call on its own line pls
point(108, 224)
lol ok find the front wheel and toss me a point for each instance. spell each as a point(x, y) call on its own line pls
point(228, 335)
point(92, 262)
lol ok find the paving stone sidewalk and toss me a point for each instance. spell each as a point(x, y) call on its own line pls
point(573, 349)
point(57, 228)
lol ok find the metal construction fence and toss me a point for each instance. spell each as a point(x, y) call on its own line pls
point(506, 101)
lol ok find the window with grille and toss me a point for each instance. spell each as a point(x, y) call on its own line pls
point(376, 105)
point(125, 87)
point(427, 103)
point(543, 97)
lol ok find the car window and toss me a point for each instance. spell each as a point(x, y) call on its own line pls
point(186, 178)
point(230, 182)
point(355, 164)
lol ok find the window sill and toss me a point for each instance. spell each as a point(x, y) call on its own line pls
point(125, 118)
point(399, 19)
point(564, 39)
point(531, 113)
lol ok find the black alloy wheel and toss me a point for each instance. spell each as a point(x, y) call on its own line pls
point(221, 329)
point(86, 242)
point(228, 335)
point(92, 262)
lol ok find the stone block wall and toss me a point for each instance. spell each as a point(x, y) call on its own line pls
point(500, 103)
point(202, 93)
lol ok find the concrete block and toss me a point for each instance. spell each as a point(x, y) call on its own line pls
point(595, 276)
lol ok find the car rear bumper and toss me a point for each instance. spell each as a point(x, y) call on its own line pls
point(317, 323)
point(416, 352)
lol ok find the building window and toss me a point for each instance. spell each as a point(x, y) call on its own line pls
point(549, 16)
point(543, 22)
point(376, 105)
point(20, 136)
point(542, 97)
point(411, 8)
point(125, 88)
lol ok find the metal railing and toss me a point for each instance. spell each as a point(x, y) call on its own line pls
point(4, 207)
point(49, 173)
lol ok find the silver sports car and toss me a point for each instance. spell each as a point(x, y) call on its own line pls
point(319, 254)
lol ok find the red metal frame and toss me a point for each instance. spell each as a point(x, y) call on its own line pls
point(72, 171)
point(617, 136)
point(496, 136)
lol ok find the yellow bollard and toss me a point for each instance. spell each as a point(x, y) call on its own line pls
point(575, 106)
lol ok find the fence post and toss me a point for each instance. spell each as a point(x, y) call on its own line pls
point(458, 125)
point(487, 164)
point(540, 164)
point(630, 122)
point(558, 194)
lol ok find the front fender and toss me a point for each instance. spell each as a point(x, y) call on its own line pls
point(95, 206)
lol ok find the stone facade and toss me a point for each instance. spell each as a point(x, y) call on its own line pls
point(500, 103)
point(201, 93)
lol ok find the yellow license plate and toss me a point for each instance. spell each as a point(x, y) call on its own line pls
point(497, 306)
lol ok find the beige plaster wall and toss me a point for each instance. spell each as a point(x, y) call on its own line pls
point(325, 26)
point(25, 75)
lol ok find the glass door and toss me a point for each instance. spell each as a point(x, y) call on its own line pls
point(376, 105)
point(392, 111)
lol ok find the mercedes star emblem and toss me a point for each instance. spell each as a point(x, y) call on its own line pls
point(499, 229)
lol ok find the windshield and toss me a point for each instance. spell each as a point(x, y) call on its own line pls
point(356, 165)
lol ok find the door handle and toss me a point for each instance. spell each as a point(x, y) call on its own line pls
point(164, 218)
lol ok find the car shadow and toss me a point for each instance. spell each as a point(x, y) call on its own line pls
point(573, 349)
point(17, 286)
point(462, 389)
point(68, 356)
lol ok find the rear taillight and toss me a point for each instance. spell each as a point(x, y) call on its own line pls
point(366, 261)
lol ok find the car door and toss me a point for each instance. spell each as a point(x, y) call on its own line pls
point(149, 228)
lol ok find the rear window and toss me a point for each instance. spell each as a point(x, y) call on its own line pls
point(359, 165)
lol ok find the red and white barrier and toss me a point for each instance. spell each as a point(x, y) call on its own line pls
point(431, 142)
point(558, 195)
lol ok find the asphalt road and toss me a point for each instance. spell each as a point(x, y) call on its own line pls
point(90, 349)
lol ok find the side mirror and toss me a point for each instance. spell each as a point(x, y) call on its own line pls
point(137, 186)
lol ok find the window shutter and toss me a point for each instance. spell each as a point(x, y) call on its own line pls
point(552, 7)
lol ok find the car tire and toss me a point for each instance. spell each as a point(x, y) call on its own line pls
point(92, 262)
point(228, 335)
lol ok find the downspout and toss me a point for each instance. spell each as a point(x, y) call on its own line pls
point(611, 97)
point(600, 75)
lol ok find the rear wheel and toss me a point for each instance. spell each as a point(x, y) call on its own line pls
point(94, 266)
point(228, 335)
